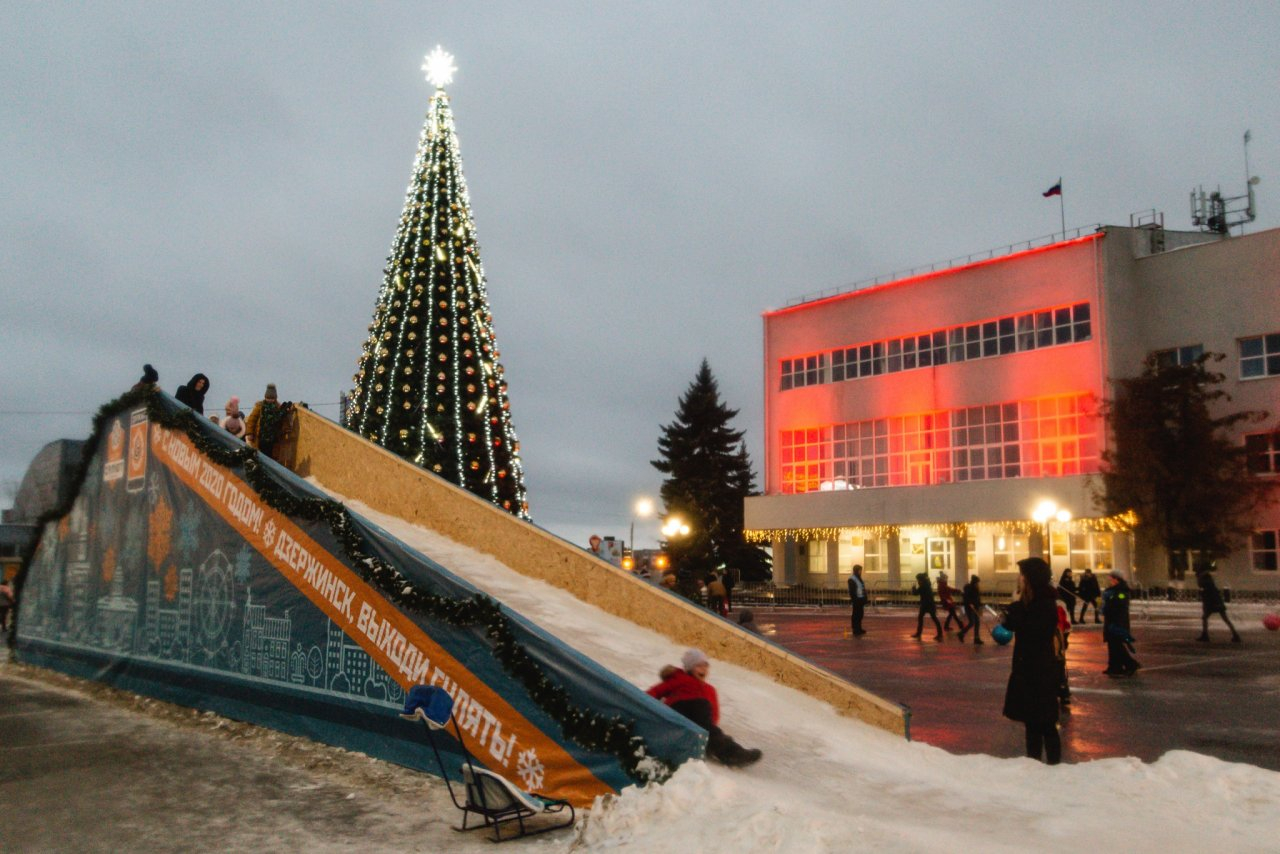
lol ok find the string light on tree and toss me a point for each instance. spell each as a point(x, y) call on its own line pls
point(429, 385)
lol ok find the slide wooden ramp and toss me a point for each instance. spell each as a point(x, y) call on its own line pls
point(365, 472)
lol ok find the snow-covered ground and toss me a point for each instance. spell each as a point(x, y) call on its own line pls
point(829, 783)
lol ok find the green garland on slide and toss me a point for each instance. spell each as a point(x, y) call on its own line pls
point(590, 730)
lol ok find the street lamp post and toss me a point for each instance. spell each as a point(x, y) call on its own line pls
point(642, 509)
point(1044, 514)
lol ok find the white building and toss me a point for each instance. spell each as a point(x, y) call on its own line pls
point(915, 425)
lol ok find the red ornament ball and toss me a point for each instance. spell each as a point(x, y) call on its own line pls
point(1272, 622)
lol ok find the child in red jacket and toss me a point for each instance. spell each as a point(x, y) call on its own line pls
point(688, 692)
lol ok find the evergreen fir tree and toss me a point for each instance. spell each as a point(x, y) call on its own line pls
point(709, 475)
point(429, 386)
point(1177, 464)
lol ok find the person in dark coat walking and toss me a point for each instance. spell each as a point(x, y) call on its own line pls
point(1032, 694)
point(924, 589)
point(858, 599)
point(1088, 593)
point(1067, 590)
point(192, 394)
point(972, 597)
point(1115, 627)
point(1211, 603)
point(946, 598)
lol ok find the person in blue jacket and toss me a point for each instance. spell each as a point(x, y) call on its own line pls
point(1115, 626)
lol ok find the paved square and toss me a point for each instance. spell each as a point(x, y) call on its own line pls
point(1219, 698)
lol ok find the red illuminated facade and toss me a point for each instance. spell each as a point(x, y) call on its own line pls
point(913, 426)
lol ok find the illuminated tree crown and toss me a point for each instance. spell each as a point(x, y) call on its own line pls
point(429, 386)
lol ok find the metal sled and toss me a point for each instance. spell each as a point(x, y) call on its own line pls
point(496, 800)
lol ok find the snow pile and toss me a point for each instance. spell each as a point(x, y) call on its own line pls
point(829, 783)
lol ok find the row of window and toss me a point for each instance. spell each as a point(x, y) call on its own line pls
point(1084, 549)
point(1259, 356)
point(1042, 437)
point(1012, 334)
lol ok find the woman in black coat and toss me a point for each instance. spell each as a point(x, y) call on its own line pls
point(924, 589)
point(1032, 695)
point(192, 394)
point(1089, 592)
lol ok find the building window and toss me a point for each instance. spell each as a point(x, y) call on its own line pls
point(1091, 550)
point(807, 370)
point(1059, 436)
point(817, 558)
point(986, 339)
point(1007, 550)
point(1262, 452)
point(985, 442)
point(1260, 356)
point(1262, 546)
point(806, 459)
point(1177, 356)
point(1044, 437)
point(872, 556)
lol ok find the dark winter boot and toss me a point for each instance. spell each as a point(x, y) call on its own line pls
point(1203, 638)
point(1236, 639)
point(728, 752)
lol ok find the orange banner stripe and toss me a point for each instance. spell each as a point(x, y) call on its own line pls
point(360, 610)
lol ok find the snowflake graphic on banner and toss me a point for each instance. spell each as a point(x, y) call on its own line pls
point(269, 534)
point(530, 769)
point(189, 532)
point(153, 488)
point(244, 558)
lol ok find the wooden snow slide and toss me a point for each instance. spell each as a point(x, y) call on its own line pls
point(363, 471)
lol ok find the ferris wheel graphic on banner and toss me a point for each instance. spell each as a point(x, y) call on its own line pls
point(214, 602)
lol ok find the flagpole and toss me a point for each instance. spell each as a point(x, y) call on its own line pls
point(1062, 210)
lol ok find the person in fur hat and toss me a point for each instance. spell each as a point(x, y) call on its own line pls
point(233, 421)
point(686, 690)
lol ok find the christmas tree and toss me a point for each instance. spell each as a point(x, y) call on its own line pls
point(429, 386)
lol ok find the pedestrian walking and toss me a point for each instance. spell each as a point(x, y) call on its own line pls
point(729, 578)
point(858, 599)
point(1211, 602)
point(1088, 591)
point(1115, 626)
point(715, 594)
point(192, 394)
point(924, 589)
point(946, 597)
point(1064, 629)
point(1032, 693)
point(1068, 591)
point(972, 598)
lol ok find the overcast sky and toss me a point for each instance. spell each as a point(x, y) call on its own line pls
point(214, 187)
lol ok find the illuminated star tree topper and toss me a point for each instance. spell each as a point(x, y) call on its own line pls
point(439, 67)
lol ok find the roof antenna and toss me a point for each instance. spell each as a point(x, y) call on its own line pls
point(1216, 213)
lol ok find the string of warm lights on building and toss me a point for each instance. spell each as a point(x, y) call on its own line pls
point(1118, 523)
